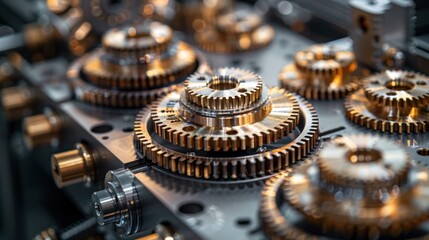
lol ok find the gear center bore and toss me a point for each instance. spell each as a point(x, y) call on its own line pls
point(399, 85)
point(223, 83)
point(364, 155)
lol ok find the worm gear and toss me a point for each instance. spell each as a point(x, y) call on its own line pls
point(237, 31)
point(322, 72)
point(395, 207)
point(118, 76)
point(391, 101)
point(253, 140)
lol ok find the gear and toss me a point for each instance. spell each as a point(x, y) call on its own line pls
point(238, 31)
point(338, 210)
point(260, 139)
point(391, 110)
point(147, 38)
point(140, 76)
point(363, 161)
point(118, 78)
point(209, 90)
point(398, 88)
point(322, 72)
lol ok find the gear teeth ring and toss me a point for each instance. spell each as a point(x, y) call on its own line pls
point(208, 91)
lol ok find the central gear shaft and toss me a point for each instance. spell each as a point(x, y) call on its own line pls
point(265, 131)
point(136, 65)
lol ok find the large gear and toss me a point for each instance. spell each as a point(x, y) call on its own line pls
point(208, 91)
point(391, 101)
point(396, 207)
point(117, 76)
point(259, 139)
point(237, 31)
point(322, 72)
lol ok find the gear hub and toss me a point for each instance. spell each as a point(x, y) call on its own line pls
point(135, 66)
point(230, 113)
point(237, 31)
point(360, 187)
point(391, 101)
point(322, 72)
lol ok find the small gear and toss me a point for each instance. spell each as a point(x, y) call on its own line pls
point(337, 210)
point(391, 110)
point(322, 72)
point(260, 139)
point(117, 78)
point(147, 38)
point(398, 88)
point(238, 31)
point(227, 88)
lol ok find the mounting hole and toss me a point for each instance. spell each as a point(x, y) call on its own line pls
point(242, 90)
point(188, 128)
point(191, 208)
point(375, 82)
point(105, 137)
point(102, 128)
point(423, 151)
point(363, 24)
point(243, 222)
point(201, 78)
point(232, 132)
point(391, 93)
point(421, 83)
point(340, 144)
point(127, 129)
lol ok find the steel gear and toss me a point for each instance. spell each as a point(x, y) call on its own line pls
point(122, 78)
point(238, 31)
point(336, 209)
point(392, 101)
point(322, 72)
point(278, 130)
point(208, 90)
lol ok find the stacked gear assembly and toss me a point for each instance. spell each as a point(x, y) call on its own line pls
point(226, 124)
point(135, 66)
point(360, 187)
point(237, 31)
point(322, 72)
point(392, 101)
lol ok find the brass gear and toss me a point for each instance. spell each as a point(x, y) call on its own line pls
point(398, 88)
point(120, 79)
point(138, 40)
point(209, 90)
point(363, 161)
point(239, 31)
point(253, 142)
point(276, 118)
point(302, 196)
point(322, 72)
point(140, 76)
point(380, 108)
